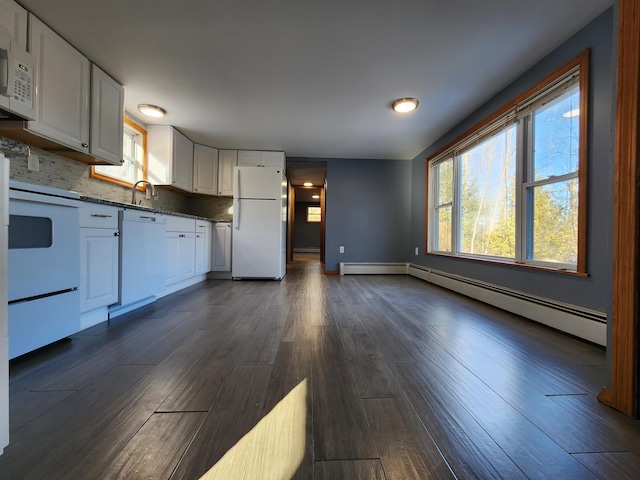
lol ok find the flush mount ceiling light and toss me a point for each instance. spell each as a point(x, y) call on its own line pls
point(307, 184)
point(405, 105)
point(151, 110)
point(315, 197)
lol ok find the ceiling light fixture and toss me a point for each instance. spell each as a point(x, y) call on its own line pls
point(405, 105)
point(151, 110)
point(308, 184)
point(315, 197)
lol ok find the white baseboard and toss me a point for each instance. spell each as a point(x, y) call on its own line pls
point(117, 310)
point(175, 287)
point(219, 275)
point(581, 322)
point(350, 268)
point(94, 317)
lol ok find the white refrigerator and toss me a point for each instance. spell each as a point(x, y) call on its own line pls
point(259, 248)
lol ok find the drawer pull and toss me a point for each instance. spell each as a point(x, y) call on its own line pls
point(100, 215)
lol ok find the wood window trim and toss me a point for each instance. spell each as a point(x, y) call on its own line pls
point(105, 178)
point(581, 60)
point(623, 391)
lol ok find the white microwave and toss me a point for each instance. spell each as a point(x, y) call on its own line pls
point(17, 82)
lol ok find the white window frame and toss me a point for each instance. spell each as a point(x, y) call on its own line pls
point(138, 163)
point(573, 75)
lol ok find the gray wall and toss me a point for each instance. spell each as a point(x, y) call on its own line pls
point(368, 206)
point(593, 291)
point(306, 235)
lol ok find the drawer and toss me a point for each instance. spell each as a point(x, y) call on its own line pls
point(180, 224)
point(202, 225)
point(98, 216)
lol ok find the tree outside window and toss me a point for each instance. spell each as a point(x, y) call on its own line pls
point(510, 191)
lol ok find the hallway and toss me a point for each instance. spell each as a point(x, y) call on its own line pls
point(405, 381)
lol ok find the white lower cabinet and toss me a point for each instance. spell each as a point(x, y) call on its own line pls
point(203, 247)
point(181, 252)
point(221, 248)
point(99, 250)
point(188, 255)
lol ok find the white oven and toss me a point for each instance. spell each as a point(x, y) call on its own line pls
point(43, 266)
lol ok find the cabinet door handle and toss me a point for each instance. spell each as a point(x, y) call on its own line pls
point(100, 215)
point(116, 234)
point(85, 144)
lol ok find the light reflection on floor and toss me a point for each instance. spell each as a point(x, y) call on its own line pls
point(274, 448)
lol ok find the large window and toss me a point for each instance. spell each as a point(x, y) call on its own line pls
point(512, 189)
point(134, 167)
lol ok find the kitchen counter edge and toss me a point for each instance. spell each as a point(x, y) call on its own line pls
point(130, 206)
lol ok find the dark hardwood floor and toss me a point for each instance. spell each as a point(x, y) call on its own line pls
point(405, 381)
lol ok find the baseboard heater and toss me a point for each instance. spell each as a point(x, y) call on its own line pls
point(373, 268)
point(581, 322)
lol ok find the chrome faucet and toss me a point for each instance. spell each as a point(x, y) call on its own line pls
point(133, 190)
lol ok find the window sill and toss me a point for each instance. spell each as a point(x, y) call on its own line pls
point(562, 271)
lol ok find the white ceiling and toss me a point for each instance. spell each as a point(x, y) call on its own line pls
point(314, 78)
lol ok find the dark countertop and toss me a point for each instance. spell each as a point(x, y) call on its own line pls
point(130, 206)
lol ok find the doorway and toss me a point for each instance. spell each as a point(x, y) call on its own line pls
point(307, 239)
point(307, 181)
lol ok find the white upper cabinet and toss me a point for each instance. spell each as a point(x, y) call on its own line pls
point(107, 117)
point(205, 170)
point(255, 158)
point(248, 158)
point(272, 159)
point(62, 88)
point(227, 159)
point(13, 23)
point(170, 157)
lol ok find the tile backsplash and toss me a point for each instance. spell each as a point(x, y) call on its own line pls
point(59, 172)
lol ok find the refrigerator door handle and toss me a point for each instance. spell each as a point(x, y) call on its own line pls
point(236, 213)
point(236, 191)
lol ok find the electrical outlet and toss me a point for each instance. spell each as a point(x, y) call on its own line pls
point(33, 162)
point(341, 248)
point(416, 251)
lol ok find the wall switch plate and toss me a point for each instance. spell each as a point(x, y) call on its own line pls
point(416, 251)
point(33, 162)
point(341, 248)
